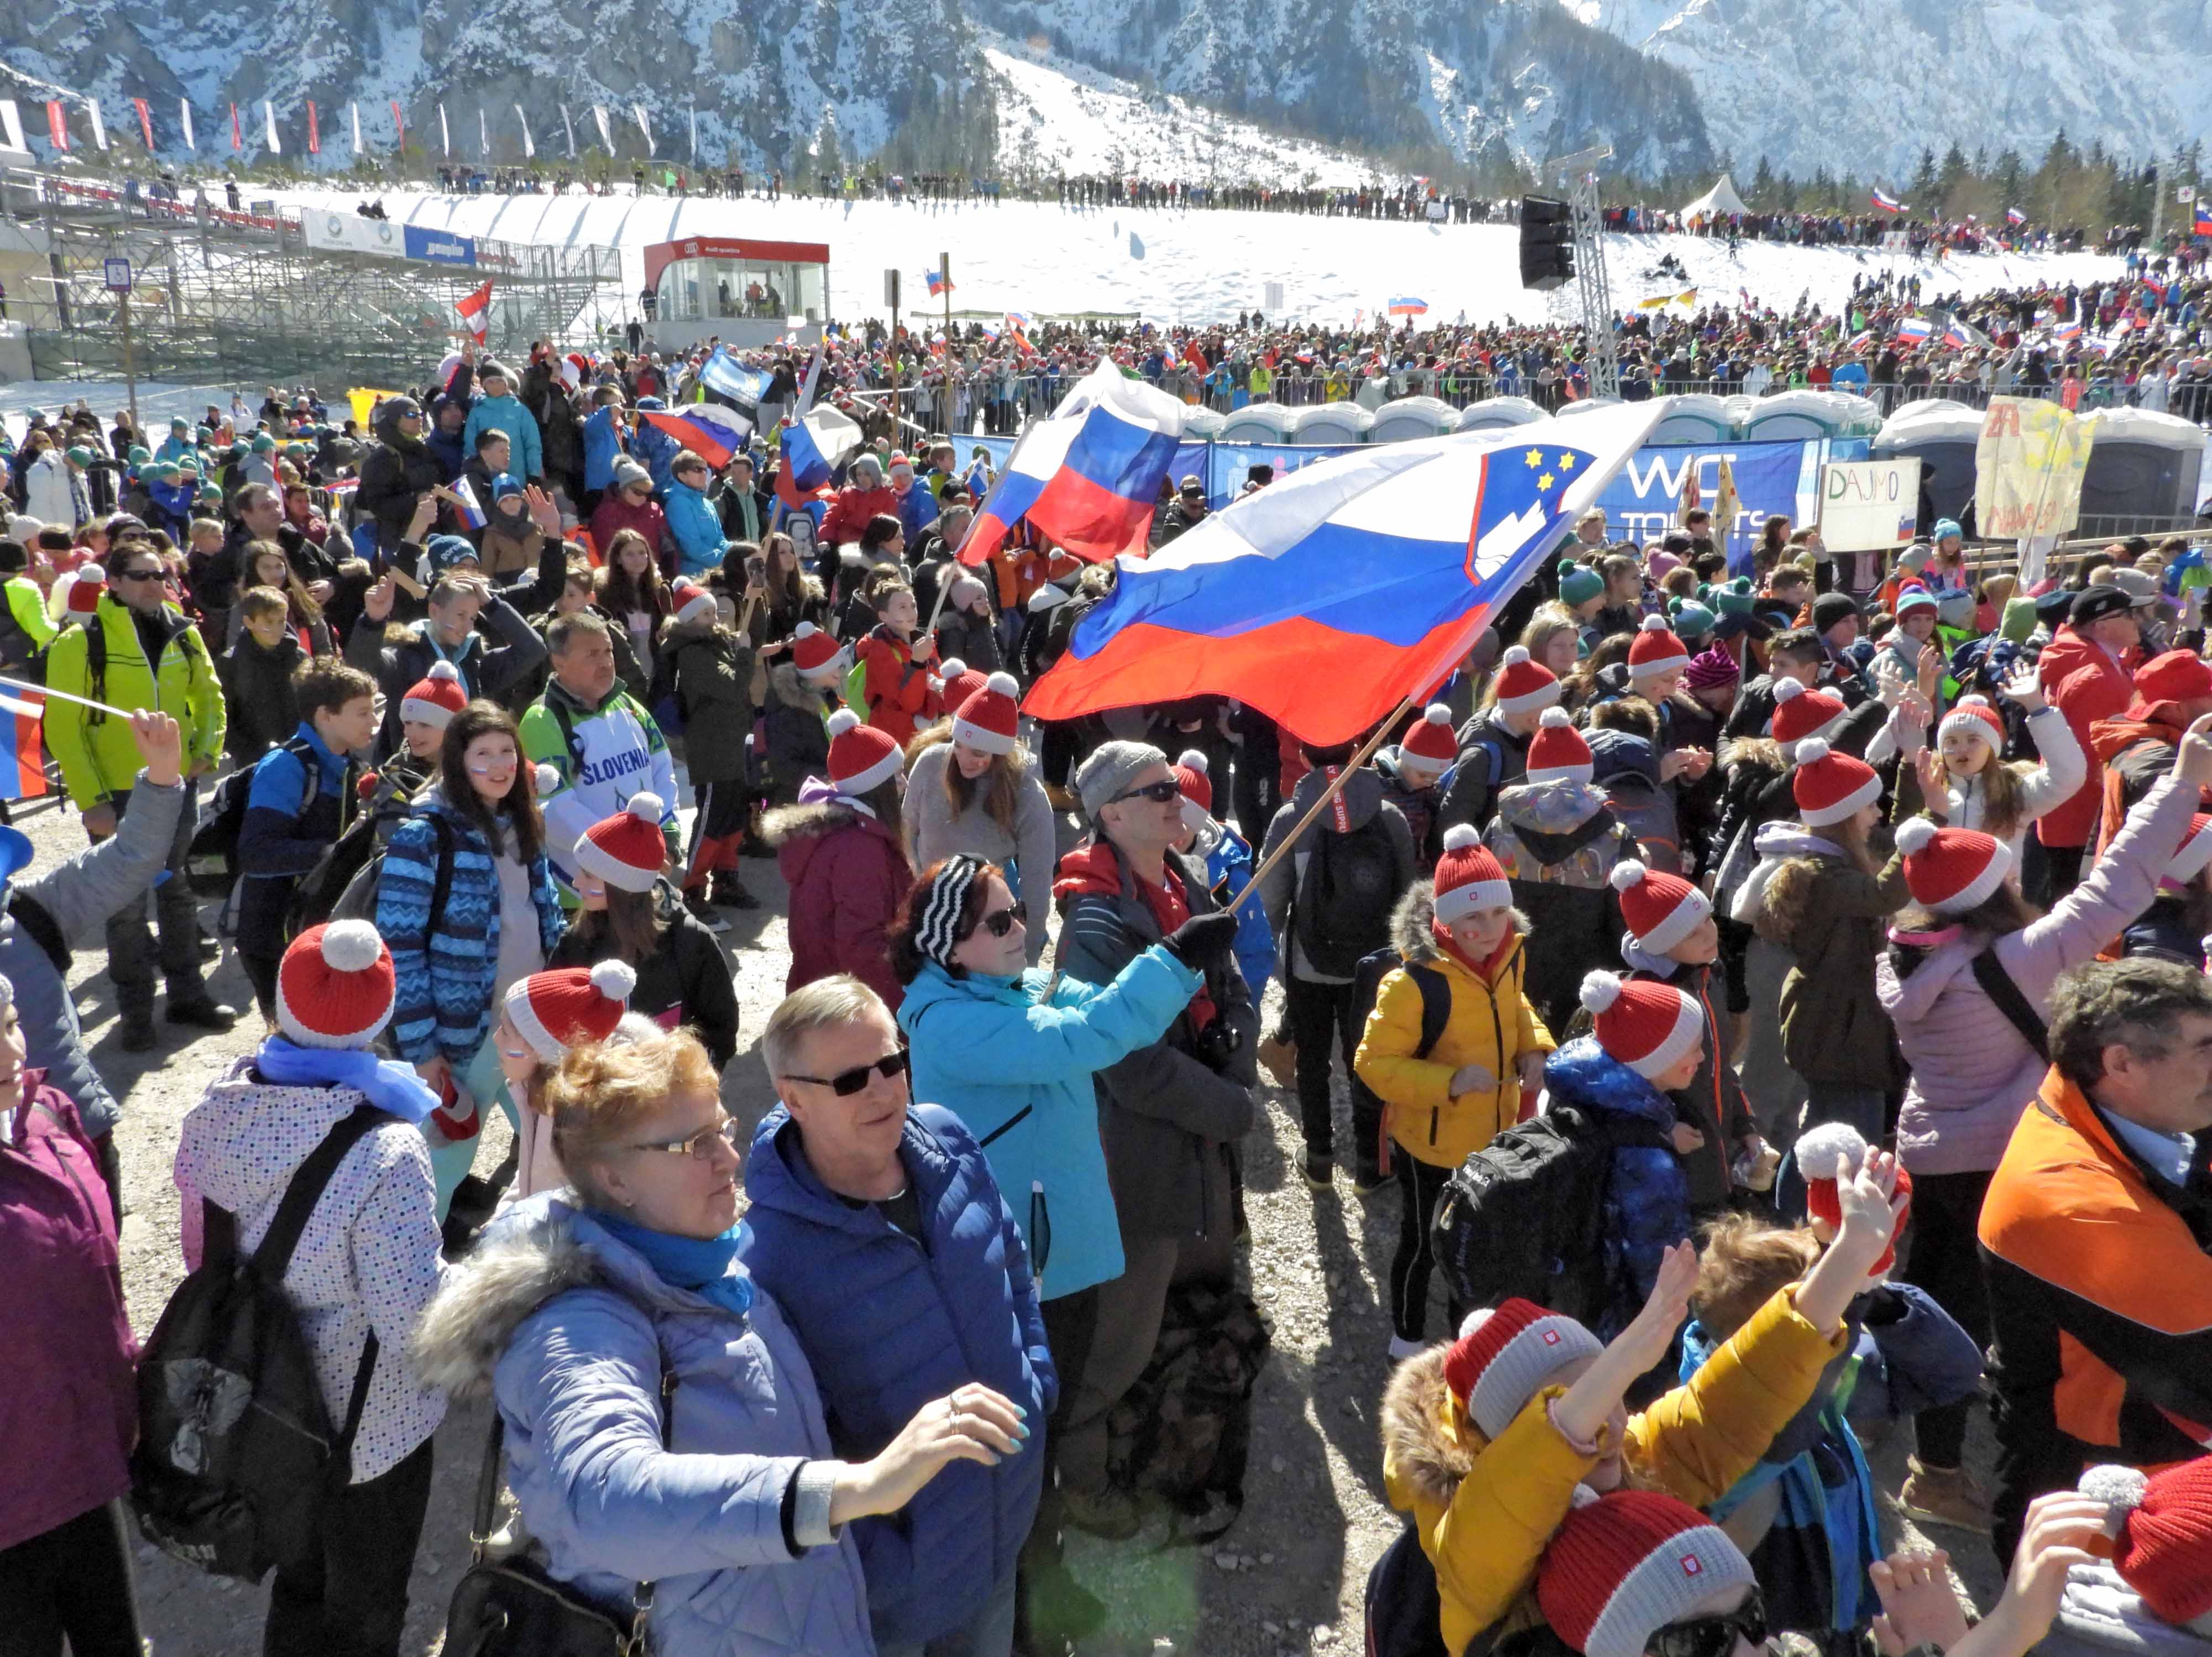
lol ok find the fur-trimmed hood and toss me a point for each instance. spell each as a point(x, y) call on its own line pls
point(1424, 1447)
point(1416, 912)
point(807, 821)
point(786, 688)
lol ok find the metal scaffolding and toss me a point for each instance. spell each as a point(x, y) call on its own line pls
point(1578, 173)
point(229, 298)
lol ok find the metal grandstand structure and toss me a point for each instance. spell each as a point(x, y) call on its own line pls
point(224, 296)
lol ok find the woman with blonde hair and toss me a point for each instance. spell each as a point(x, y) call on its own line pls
point(971, 788)
point(1552, 638)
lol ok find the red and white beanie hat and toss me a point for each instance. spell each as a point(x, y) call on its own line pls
point(816, 655)
point(1623, 1566)
point(553, 1012)
point(988, 719)
point(1825, 1155)
point(957, 682)
point(433, 699)
point(87, 583)
point(335, 987)
point(1524, 684)
point(1431, 743)
point(1190, 776)
point(1950, 871)
point(1558, 753)
point(2196, 852)
point(1661, 909)
point(1799, 712)
point(691, 600)
point(2161, 1526)
point(1974, 716)
point(1467, 877)
point(1655, 650)
point(1650, 1028)
point(1504, 1355)
point(1829, 786)
point(862, 757)
point(627, 850)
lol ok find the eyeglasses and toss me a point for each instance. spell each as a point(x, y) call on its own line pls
point(1714, 1636)
point(999, 922)
point(846, 1083)
point(1160, 792)
point(141, 575)
point(699, 1146)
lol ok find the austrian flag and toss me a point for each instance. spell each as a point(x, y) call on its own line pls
point(473, 307)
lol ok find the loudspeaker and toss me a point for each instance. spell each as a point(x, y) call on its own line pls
point(1547, 243)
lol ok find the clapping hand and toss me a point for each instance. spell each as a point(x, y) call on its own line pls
point(2026, 687)
point(542, 512)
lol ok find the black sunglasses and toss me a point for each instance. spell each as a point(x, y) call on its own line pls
point(998, 922)
point(846, 1083)
point(1713, 1636)
point(141, 575)
point(1160, 792)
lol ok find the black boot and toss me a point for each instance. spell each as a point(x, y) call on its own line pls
point(728, 892)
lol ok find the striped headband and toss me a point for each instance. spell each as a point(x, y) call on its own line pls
point(939, 932)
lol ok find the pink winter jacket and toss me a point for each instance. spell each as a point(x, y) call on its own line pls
point(1972, 1072)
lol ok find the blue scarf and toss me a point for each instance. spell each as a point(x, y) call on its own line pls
point(699, 1264)
point(390, 1085)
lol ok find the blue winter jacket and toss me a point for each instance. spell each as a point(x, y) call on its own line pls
point(1229, 871)
point(526, 459)
point(1647, 1199)
point(446, 448)
point(602, 445)
point(1031, 1103)
point(572, 1331)
point(917, 511)
point(696, 527)
point(653, 448)
point(891, 1323)
point(443, 993)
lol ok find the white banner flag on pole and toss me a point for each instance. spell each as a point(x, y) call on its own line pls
point(484, 133)
point(354, 111)
point(269, 126)
point(606, 137)
point(185, 105)
point(99, 126)
point(528, 149)
point(11, 129)
point(445, 134)
point(569, 128)
point(638, 110)
point(695, 135)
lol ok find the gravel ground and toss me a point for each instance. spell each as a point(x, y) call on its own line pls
point(1288, 1577)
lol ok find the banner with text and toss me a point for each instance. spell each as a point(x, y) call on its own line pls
point(2028, 466)
point(1869, 505)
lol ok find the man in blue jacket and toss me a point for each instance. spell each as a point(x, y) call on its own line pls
point(879, 1231)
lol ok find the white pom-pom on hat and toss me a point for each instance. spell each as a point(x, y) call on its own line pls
point(351, 946)
point(1555, 718)
point(444, 670)
point(1812, 750)
point(1600, 991)
point(1437, 713)
point(548, 779)
point(615, 980)
point(1584, 1497)
point(1826, 1152)
point(1474, 1320)
point(1787, 690)
point(1002, 684)
point(951, 669)
point(646, 804)
point(1913, 837)
point(2117, 1487)
point(1655, 624)
point(1625, 873)
point(1192, 760)
point(805, 630)
point(842, 720)
point(1514, 656)
point(1462, 836)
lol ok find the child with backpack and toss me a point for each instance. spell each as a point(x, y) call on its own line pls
point(1447, 1051)
point(1493, 746)
point(1413, 772)
point(430, 706)
point(802, 695)
point(301, 799)
point(1328, 903)
point(256, 674)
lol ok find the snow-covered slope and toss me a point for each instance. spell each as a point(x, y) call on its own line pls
point(1192, 267)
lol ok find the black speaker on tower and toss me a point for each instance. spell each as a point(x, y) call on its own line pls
point(1547, 243)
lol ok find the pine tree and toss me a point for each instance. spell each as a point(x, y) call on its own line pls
point(1762, 185)
point(1922, 190)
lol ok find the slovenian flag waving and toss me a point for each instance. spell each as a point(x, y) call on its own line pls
point(1887, 203)
point(713, 431)
point(1914, 331)
point(22, 759)
point(1326, 599)
point(811, 449)
point(939, 283)
point(1408, 306)
point(2203, 222)
point(2013, 215)
point(1088, 473)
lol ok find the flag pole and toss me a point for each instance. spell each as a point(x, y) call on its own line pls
point(1366, 752)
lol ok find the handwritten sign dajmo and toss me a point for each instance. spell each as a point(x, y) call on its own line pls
point(1867, 505)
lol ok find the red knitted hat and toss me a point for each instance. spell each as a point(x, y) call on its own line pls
point(627, 850)
point(957, 682)
point(1829, 786)
point(1467, 877)
point(84, 593)
point(1558, 753)
point(1433, 741)
point(1800, 712)
point(1824, 1154)
point(1650, 1028)
point(2196, 852)
point(1656, 650)
point(691, 600)
point(1661, 909)
point(433, 699)
point(814, 653)
point(335, 985)
point(1504, 1357)
point(987, 720)
point(1524, 685)
point(2178, 676)
point(1190, 774)
point(2162, 1523)
point(1951, 870)
point(1974, 715)
point(1622, 1567)
point(557, 1010)
point(862, 757)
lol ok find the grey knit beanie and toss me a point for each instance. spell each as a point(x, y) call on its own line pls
point(1112, 767)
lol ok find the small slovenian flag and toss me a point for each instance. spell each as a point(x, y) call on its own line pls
point(1914, 331)
point(2013, 215)
point(1018, 325)
point(22, 754)
point(472, 512)
point(1887, 203)
point(713, 431)
point(1860, 341)
point(2067, 331)
point(1407, 305)
point(811, 449)
point(1958, 336)
point(2203, 225)
point(940, 284)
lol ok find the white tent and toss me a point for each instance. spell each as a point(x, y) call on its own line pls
point(1721, 198)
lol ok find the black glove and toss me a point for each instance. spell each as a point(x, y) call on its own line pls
point(1203, 941)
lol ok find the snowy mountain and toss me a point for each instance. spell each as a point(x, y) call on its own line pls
point(1869, 83)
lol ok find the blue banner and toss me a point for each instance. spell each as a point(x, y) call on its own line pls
point(724, 375)
point(438, 246)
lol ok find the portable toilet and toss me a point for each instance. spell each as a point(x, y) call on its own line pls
point(1943, 434)
point(1202, 423)
point(1258, 422)
point(1695, 417)
point(1803, 415)
point(1494, 412)
point(2143, 465)
point(1412, 416)
point(1332, 423)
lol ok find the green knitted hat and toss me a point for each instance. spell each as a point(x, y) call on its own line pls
point(1578, 585)
point(1692, 619)
point(1736, 599)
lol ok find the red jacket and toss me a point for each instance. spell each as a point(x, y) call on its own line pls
point(897, 687)
point(850, 511)
point(615, 513)
point(2083, 682)
point(848, 878)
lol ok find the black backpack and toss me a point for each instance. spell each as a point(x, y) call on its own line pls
point(235, 1450)
point(356, 900)
point(1521, 1217)
point(1367, 988)
point(212, 862)
point(1342, 909)
point(1405, 1612)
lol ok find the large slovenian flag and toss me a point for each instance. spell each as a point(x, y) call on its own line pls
point(1328, 597)
point(938, 284)
point(2013, 215)
point(1408, 306)
point(22, 756)
point(1887, 203)
point(713, 431)
point(2203, 221)
point(1962, 334)
point(811, 449)
point(1088, 473)
point(2067, 331)
point(1914, 331)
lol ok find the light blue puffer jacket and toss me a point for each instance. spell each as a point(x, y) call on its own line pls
point(698, 530)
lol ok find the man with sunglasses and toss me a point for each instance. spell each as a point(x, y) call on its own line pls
point(878, 1229)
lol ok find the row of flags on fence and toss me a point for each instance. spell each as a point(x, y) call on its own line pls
point(58, 111)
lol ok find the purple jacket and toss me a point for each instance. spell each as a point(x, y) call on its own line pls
point(69, 1411)
point(1972, 1072)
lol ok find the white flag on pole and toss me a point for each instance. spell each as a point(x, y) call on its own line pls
point(191, 142)
point(695, 135)
point(11, 129)
point(528, 149)
point(354, 111)
point(444, 136)
point(99, 126)
point(606, 137)
point(568, 127)
point(638, 110)
point(484, 133)
point(269, 126)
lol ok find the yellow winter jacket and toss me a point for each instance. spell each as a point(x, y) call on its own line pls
point(1485, 1511)
point(99, 759)
point(1492, 1024)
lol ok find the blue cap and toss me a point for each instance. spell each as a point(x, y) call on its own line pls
point(1945, 527)
point(505, 484)
point(448, 550)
